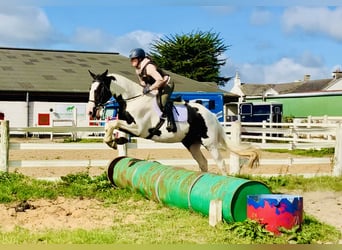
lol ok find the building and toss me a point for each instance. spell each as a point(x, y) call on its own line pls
point(300, 98)
point(38, 87)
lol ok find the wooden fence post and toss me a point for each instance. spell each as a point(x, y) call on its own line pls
point(4, 145)
point(234, 159)
point(122, 149)
point(337, 171)
point(263, 138)
point(215, 212)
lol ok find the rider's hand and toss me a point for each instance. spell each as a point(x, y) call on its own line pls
point(146, 90)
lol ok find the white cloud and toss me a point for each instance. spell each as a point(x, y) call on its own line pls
point(260, 17)
point(139, 38)
point(284, 70)
point(93, 39)
point(24, 25)
point(220, 10)
point(289, 70)
point(314, 21)
point(98, 40)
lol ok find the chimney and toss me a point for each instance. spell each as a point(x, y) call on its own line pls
point(337, 74)
point(307, 78)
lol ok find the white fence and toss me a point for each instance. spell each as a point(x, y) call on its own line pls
point(295, 135)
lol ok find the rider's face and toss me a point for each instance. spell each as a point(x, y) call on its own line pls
point(134, 62)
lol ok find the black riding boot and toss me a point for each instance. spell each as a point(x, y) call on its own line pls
point(171, 123)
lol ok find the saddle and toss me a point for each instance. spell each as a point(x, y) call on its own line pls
point(167, 112)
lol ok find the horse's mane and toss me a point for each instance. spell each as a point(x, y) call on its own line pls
point(124, 86)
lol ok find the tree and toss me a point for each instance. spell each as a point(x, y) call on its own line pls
point(194, 55)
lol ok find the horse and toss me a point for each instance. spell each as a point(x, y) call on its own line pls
point(140, 116)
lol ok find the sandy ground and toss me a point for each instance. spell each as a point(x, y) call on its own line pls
point(326, 206)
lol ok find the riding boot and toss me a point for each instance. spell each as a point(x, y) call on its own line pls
point(171, 123)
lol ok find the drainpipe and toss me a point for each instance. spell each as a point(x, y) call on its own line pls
point(27, 111)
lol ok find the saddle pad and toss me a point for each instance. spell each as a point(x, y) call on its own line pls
point(180, 112)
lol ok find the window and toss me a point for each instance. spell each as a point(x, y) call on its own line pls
point(246, 109)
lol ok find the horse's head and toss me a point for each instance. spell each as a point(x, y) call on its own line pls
point(99, 93)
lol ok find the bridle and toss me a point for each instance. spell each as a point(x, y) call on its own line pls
point(97, 106)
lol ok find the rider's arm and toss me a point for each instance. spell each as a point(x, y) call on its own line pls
point(159, 80)
point(141, 82)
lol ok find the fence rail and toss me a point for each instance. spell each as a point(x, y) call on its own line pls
point(263, 135)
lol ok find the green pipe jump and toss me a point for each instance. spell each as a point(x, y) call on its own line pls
point(185, 188)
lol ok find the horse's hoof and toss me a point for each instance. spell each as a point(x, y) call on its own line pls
point(112, 144)
point(121, 140)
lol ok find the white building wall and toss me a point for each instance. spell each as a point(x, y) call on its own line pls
point(15, 113)
point(58, 111)
point(20, 116)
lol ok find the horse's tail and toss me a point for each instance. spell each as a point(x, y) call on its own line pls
point(241, 149)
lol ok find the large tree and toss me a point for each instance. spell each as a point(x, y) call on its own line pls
point(195, 55)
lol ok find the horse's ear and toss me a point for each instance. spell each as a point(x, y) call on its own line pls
point(92, 74)
point(105, 73)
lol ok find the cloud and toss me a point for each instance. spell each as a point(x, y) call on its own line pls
point(98, 40)
point(220, 10)
point(139, 38)
point(260, 17)
point(92, 39)
point(314, 21)
point(284, 70)
point(24, 25)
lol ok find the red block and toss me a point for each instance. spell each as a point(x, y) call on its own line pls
point(275, 211)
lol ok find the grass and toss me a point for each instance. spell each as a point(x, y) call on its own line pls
point(156, 224)
point(279, 183)
point(324, 152)
point(83, 140)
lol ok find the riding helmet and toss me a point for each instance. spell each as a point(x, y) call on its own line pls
point(137, 53)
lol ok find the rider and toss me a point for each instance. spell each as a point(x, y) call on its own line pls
point(153, 78)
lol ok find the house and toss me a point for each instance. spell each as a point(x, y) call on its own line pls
point(300, 98)
point(40, 86)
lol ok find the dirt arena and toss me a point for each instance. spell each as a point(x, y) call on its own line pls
point(326, 206)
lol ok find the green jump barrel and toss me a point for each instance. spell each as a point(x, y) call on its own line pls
point(184, 188)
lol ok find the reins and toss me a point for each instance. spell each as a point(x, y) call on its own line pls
point(133, 97)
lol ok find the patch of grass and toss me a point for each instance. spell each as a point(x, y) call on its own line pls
point(83, 140)
point(324, 152)
point(154, 223)
point(15, 187)
point(177, 226)
point(289, 182)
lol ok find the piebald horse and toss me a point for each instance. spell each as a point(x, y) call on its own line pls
point(140, 116)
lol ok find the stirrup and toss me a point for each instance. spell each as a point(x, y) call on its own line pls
point(171, 127)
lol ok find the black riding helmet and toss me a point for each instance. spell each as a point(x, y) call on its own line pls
point(137, 53)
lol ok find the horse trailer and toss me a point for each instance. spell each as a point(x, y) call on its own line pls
point(254, 112)
point(211, 100)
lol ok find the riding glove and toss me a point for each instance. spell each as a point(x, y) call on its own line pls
point(146, 90)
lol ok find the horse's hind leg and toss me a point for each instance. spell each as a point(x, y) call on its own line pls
point(217, 156)
point(195, 150)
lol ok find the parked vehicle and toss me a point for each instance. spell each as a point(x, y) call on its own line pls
point(254, 112)
point(211, 100)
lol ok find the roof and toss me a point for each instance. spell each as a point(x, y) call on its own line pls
point(36, 70)
point(286, 88)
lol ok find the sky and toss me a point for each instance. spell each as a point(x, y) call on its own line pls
point(271, 42)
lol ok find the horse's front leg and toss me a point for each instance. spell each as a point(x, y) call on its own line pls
point(109, 137)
